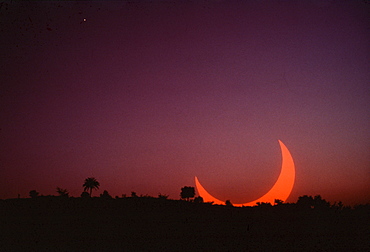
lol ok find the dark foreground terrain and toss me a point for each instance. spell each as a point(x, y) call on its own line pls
point(151, 224)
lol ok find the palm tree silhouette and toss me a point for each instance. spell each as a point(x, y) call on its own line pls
point(90, 184)
point(62, 192)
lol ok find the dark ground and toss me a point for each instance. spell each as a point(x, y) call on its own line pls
point(151, 224)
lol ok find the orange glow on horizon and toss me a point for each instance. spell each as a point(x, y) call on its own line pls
point(281, 190)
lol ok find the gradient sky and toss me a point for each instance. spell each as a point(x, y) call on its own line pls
point(146, 95)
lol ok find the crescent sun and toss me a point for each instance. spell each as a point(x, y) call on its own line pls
point(281, 190)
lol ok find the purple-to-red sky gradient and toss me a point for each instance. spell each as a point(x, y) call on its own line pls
point(145, 95)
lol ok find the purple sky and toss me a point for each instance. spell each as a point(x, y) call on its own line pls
point(145, 96)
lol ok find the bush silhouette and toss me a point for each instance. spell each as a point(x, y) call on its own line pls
point(198, 199)
point(34, 194)
point(85, 195)
point(228, 203)
point(162, 196)
point(105, 195)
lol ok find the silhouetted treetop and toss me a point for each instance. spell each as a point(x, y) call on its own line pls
point(278, 202)
point(90, 184)
point(317, 202)
point(187, 192)
point(228, 203)
point(62, 192)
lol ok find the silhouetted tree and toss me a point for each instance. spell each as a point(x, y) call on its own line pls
point(312, 202)
point(85, 195)
point(105, 195)
point(34, 194)
point(305, 201)
point(278, 202)
point(90, 184)
point(320, 203)
point(198, 199)
point(337, 205)
point(228, 203)
point(187, 192)
point(133, 194)
point(62, 192)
